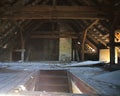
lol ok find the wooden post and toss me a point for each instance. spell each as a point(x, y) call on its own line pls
point(77, 55)
point(11, 50)
point(115, 20)
point(112, 47)
point(22, 55)
point(84, 38)
point(83, 45)
point(22, 47)
point(21, 30)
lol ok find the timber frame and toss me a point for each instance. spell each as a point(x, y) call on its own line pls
point(92, 23)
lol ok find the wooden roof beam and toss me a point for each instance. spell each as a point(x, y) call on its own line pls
point(54, 32)
point(51, 12)
point(53, 36)
point(92, 39)
point(97, 38)
point(84, 38)
point(117, 44)
point(91, 44)
point(17, 25)
point(47, 8)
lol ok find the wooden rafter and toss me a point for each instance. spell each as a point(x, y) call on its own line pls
point(103, 32)
point(88, 2)
point(93, 39)
point(98, 38)
point(7, 36)
point(21, 30)
point(91, 44)
point(84, 38)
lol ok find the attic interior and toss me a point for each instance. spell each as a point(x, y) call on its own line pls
point(62, 31)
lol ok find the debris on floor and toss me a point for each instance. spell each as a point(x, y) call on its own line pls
point(84, 63)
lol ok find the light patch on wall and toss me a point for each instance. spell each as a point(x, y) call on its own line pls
point(117, 36)
point(75, 89)
point(105, 55)
point(65, 49)
point(5, 46)
point(78, 42)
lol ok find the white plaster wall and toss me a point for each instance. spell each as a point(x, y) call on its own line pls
point(65, 49)
point(105, 55)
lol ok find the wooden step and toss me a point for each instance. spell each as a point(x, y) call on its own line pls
point(52, 81)
point(52, 76)
point(53, 72)
point(53, 88)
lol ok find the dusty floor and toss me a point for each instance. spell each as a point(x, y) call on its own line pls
point(14, 74)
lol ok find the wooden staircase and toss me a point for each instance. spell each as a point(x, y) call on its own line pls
point(52, 81)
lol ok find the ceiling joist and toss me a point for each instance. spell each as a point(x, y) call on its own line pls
point(51, 12)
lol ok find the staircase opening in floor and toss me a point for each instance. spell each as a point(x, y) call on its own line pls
point(53, 81)
point(58, 81)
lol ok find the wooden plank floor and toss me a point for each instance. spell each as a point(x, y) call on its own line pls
point(11, 80)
